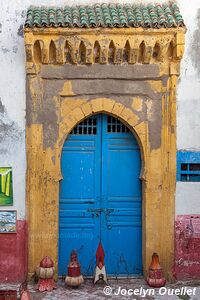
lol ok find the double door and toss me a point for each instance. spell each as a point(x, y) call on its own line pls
point(100, 197)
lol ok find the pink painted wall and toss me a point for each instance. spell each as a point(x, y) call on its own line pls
point(187, 247)
point(13, 254)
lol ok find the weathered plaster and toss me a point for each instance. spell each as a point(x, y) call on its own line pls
point(188, 133)
point(12, 90)
point(11, 134)
point(154, 116)
point(46, 111)
point(98, 71)
point(58, 101)
point(187, 247)
point(188, 99)
point(12, 102)
point(13, 73)
point(13, 254)
point(8, 129)
point(196, 44)
point(112, 87)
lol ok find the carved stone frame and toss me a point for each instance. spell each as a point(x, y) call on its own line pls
point(147, 50)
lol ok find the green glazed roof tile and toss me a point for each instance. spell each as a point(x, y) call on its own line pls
point(106, 15)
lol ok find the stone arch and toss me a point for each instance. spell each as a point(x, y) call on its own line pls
point(108, 106)
point(85, 109)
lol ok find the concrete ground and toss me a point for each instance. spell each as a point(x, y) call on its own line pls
point(133, 289)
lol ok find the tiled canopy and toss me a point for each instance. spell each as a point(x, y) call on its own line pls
point(106, 15)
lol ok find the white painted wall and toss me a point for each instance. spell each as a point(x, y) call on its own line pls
point(188, 105)
point(188, 198)
point(188, 100)
point(12, 95)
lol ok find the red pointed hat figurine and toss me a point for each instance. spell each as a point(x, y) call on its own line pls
point(156, 277)
point(100, 270)
point(74, 277)
point(100, 256)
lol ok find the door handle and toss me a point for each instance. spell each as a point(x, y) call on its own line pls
point(99, 210)
point(96, 211)
point(108, 211)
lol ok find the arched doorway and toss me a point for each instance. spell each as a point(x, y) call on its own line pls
point(100, 197)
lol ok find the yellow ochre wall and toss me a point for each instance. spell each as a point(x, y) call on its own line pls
point(136, 78)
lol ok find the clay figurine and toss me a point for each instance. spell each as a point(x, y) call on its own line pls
point(74, 277)
point(45, 272)
point(100, 270)
point(156, 277)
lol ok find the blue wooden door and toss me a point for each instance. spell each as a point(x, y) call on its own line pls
point(100, 197)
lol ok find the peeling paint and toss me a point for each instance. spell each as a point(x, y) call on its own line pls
point(2, 107)
point(98, 71)
point(15, 49)
point(23, 13)
point(13, 254)
point(14, 79)
point(5, 50)
point(195, 49)
point(8, 128)
point(50, 115)
point(60, 95)
point(20, 31)
point(187, 247)
point(137, 104)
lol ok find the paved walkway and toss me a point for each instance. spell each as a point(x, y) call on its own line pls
point(133, 289)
